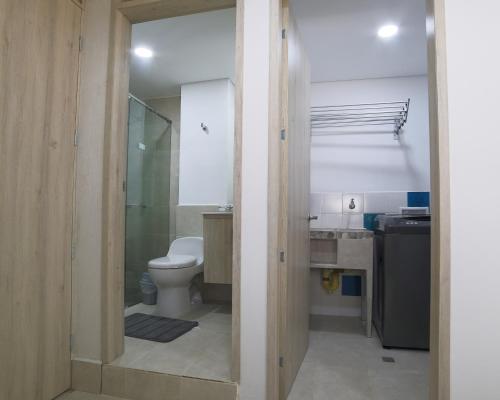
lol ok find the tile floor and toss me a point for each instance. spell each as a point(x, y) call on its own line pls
point(343, 364)
point(85, 396)
point(204, 352)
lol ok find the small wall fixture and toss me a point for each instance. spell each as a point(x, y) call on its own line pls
point(352, 205)
point(204, 127)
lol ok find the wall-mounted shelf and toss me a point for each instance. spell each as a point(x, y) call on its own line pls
point(328, 118)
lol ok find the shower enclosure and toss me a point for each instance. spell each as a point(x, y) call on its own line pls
point(148, 193)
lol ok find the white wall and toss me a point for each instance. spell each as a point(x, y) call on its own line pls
point(473, 89)
point(369, 159)
point(254, 192)
point(206, 158)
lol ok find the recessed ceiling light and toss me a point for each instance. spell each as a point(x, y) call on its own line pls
point(143, 52)
point(388, 31)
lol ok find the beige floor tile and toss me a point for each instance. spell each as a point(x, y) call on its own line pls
point(213, 364)
point(343, 364)
point(206, 390)
point(142, 385)
point(74, 395)
point(204, 352)
point(170, 361)
point(139, 308)
point(134, 350)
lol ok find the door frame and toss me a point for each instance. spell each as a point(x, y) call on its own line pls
point(123, 14)
point(440, 203)
point(439, 370)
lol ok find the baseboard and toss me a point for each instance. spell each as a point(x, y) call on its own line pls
point(86, 376)
point(134, 384)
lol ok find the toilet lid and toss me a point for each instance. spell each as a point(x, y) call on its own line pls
point(173, 262)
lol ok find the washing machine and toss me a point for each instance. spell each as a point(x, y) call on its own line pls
point(402, 278)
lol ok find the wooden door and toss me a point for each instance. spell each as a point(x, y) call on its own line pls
point(39, 54)
point(295, 189)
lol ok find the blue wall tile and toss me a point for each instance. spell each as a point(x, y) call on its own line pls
point(351, 285)
point(418, 199)
point(369, 221)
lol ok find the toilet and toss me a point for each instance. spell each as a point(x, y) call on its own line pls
point(173, 273)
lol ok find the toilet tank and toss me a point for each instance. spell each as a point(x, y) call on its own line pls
point(188, 246)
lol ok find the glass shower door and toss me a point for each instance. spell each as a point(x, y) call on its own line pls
point(147, 214)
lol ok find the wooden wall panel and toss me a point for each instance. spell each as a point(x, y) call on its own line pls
point(39, 57)
point(147, 10)
point(113, 234)
point(275, 210)
point(294, 275)
point(79, 3)
point(440, 188)
point(238, 112)
point(86, 376)
point(87, 222)
point(218, 248)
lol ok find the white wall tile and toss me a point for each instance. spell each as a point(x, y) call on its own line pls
point(327, 221)
point(316, 199)
point(357, 199)
point(352, 221)
point(385, 202)
point(332, 203)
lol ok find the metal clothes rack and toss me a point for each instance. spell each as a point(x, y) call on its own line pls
point(393, 113)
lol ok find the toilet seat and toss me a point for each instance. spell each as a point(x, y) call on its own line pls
point(173, 261)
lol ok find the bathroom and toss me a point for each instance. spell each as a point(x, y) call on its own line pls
point(179, 196)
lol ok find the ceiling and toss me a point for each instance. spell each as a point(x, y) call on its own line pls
point(341, 39)
point(186, 49)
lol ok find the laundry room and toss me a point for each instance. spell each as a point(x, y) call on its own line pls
point(370, 211)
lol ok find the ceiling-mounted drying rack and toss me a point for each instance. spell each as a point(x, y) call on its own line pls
point(325, 119)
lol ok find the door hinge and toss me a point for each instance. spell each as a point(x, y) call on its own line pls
point(283, 33)
point(71, 342)
point(73, 250)
point(282, 256)
point(283, 134)
point(124, 186)
point(281, 362)
point(75, 139)
point(80, 43)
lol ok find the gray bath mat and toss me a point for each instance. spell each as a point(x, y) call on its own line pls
point(156, 329)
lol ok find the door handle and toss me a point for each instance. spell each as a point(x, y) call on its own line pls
point(312, 217)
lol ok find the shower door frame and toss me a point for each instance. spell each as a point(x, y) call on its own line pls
point(124, 14)
point(131, 299)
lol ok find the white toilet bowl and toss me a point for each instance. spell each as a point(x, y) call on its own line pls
point(173, 274)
